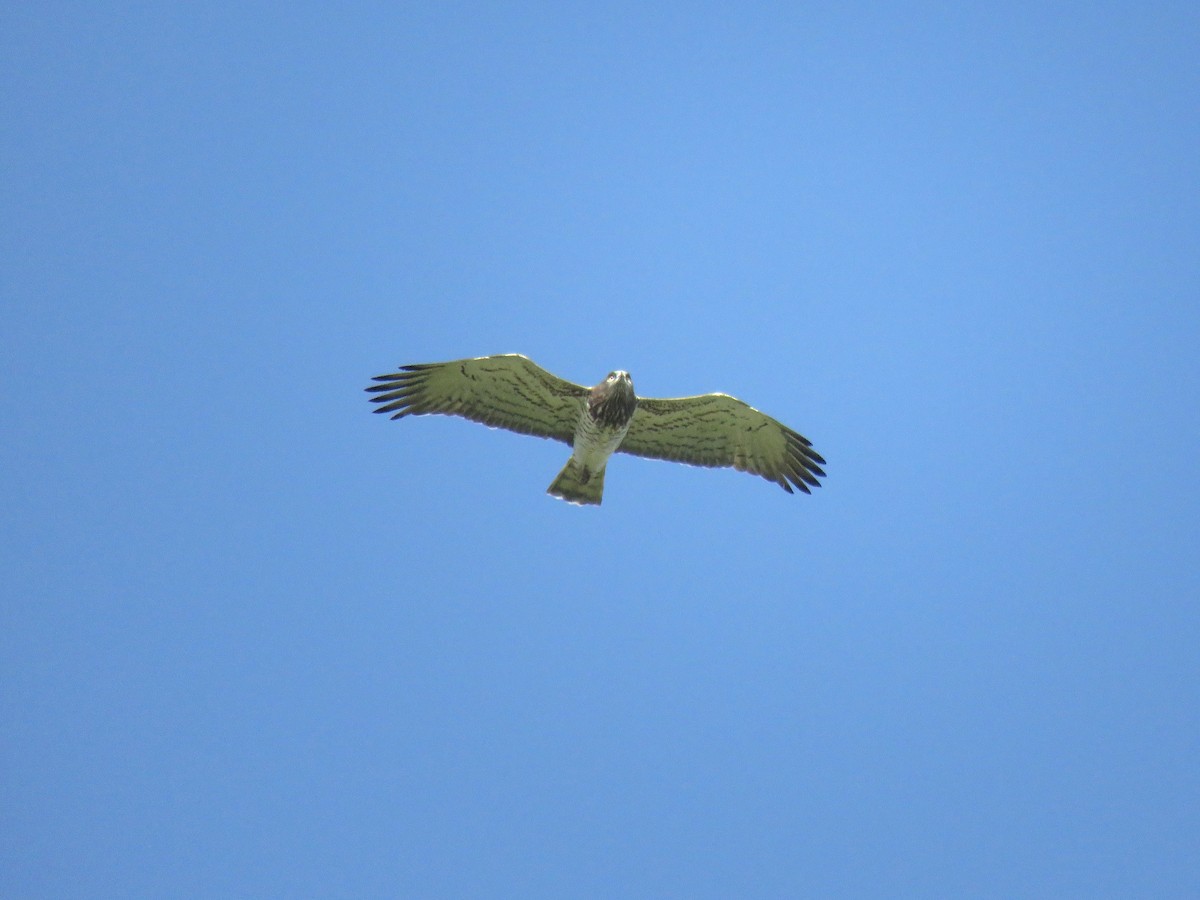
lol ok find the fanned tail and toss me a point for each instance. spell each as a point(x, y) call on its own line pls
point(576, 485)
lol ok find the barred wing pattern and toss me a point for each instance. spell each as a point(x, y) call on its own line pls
point(719, 430)
point(508, 391)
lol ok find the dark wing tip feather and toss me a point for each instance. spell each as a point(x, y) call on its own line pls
point(802, 462)
point(802, 480)
point(400, 408)
point(389, 382)
point(398, 391)
point(798, 482)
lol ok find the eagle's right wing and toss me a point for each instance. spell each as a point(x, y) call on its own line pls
point(509, 391)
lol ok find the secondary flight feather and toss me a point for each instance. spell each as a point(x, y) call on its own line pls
point(513, 392)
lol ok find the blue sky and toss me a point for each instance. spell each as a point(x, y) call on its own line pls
point(259, 642)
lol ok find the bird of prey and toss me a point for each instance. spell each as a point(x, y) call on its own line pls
point(513, 392)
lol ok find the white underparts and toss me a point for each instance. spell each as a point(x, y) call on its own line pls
point(594, 443)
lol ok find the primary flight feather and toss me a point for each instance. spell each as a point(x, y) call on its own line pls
point(513, 392)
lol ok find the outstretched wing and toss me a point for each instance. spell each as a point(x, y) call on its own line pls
point(719, 430)
point(509, 391)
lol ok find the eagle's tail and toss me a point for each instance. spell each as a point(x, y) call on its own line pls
point(576, 485)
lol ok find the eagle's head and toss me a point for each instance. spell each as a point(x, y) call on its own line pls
point(612, 402)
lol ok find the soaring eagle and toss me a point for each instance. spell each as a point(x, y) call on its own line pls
point(513, 392)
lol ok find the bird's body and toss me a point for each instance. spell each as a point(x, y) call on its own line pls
point(603, 425)
point(512, 392)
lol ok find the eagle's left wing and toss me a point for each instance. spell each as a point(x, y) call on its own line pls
point(719, 430)
point(509, 391)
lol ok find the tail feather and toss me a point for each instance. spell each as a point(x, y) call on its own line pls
point(576, 485)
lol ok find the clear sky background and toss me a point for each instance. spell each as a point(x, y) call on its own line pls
point(257, 642)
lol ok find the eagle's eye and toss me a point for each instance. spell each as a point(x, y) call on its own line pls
point(612, 375)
